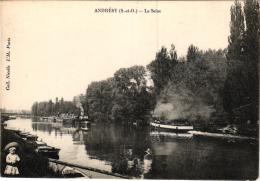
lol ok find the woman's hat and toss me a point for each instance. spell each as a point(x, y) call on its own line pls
point(12, 145)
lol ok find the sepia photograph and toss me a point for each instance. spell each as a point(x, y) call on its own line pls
point(130, 89)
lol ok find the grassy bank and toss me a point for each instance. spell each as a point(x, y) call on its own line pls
point(31, 164)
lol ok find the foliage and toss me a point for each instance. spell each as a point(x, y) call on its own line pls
point(132, 97)
point(242, 83)
point(194, 90)
point(98, 98)
point(161, 67)
point(49, 108)
point(123, 98)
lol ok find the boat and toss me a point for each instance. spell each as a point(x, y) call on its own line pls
point(71, 170)
point(45, 150)
point(12, 117)
point(55, 120)
point(39, 143)
point(45, 119)
point(68, 120)
point(48, 151)
point(67, 171)
point(28, 136)
point(87, 123)
point(17, 131)
point(84, 129)
point(83, 119)
point(175, 126)
point(51, 119)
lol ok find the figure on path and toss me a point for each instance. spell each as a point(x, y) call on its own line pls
point(12, 160)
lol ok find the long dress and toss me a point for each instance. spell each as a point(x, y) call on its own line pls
point(11, 160)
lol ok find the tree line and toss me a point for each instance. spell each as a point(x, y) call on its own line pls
point(50, 108)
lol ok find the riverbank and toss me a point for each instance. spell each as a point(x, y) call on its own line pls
point(31, 164)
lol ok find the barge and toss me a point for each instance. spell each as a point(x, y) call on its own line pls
point(48, 151)
point(39, 146)
point(27, 136)
point(172, 125)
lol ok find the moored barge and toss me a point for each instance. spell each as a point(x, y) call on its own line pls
point(173, 125)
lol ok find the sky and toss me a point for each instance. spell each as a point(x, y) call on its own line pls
point(59, 47)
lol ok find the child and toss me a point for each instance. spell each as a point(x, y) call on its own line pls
point(11, 162)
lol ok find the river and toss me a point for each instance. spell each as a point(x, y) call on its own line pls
point(123, 149)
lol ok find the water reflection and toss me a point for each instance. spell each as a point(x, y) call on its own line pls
point(79, 136)
point(123, 146)
point(145, 153)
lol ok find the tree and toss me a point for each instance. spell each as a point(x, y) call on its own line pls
point(242, 84)
point(61, 105)
point(132, 99)
point(237, 32)
point(35, 108)
point(194, 91)
point(99, 100)
point(50, 107)
point(57, 106)
point(235, 84)
point(251, 10)
point(123, 98)
point(161, 67)
point(193, 53)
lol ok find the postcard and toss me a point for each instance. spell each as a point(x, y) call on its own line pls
point(130, 89)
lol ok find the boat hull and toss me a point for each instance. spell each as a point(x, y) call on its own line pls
point(49, 153)
point(68, 120)
point(172, 128)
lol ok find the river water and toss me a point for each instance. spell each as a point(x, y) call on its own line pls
point(123, 149)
